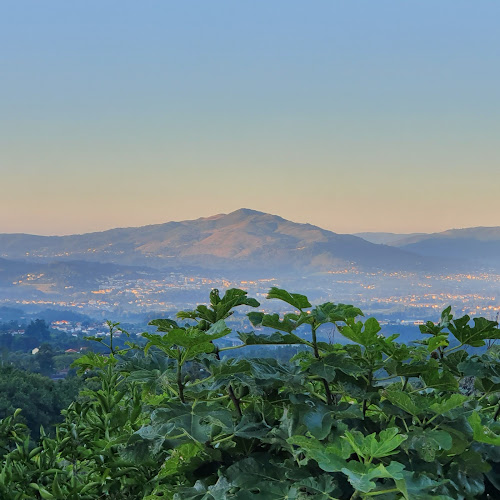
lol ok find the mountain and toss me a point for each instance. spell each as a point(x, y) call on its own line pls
point(480, 245)
point(387, 238)
point(242, 240)
point(474, 246)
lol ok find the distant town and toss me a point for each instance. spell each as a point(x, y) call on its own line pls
point(398, 296)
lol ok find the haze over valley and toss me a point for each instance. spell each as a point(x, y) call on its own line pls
point(131, 273)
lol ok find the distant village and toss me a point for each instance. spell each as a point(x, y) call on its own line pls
point(403, 296)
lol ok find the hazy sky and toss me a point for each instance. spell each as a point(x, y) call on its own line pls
point(352, 115)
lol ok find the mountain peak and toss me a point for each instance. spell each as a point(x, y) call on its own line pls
point(242, 239)
point(245, 212)
point(239, 215)
point(246, 216)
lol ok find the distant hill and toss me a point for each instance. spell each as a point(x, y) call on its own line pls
point(244, 239)
point(11, 314)
point(57, 275)
point(387, 238)
point(475, 244)
point(472, 246)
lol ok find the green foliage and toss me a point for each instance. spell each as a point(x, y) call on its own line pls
point(369, 418)
point(40, 398)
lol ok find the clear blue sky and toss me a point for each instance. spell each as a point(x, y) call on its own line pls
point(352, 115)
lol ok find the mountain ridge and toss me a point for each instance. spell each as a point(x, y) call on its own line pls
point(244, 237)
point(478, 245)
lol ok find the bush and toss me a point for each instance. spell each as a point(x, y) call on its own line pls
point(372, 418)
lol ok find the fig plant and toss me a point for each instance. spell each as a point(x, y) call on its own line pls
point(180, 418)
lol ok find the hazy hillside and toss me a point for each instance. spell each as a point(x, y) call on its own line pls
point(387, 238)
point(475, 245)
point(244, 238)
point(478, 244)
point(54, 276)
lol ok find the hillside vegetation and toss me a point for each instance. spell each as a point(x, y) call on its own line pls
point(244, 239)
point(182, 419)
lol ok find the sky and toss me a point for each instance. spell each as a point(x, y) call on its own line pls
point(351, 115)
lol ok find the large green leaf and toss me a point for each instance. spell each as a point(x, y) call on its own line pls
point(272, 372)
point(428, 442)
point(412, 405)
point(321, 487)
point(362, 476)
point(447, 404)
point(438, 341)
point(332, 313)
point(476, 335)
point(433, 329)
point(196, 421)
point(453, 360)
point(365, 333)
point(417, 486)
point(288, 324)
point(370, 447)
point(220, 307)
point(251, 426)
point(184, 458)
point(247, 472)
point(483, 433)
point(269, 490)
point(472, 462)
point(193, 340)
point(197, 492)
point(442, 381)
point(164, 325)
point(331, 457)
point(259, 477)
point(294, 299)
point(276, 338)
point(464, 484)
point(327, 366)
point(314, 415)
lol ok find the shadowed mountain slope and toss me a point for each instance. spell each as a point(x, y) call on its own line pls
point(477, 244)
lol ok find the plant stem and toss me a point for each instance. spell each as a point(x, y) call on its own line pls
point(404, 423)
point(405, 383)
point(314, 342)
point(497, 413)
point(180, 385)
point(200, 381)
point(365, 402)
point(234, 399)
point(329, 397)
point(319, 396)
point(381, 492)
point(218, 398)
point(454, 348)
point(230, 391)
point(223, 439)
point(230, 347)
point(328, 392)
